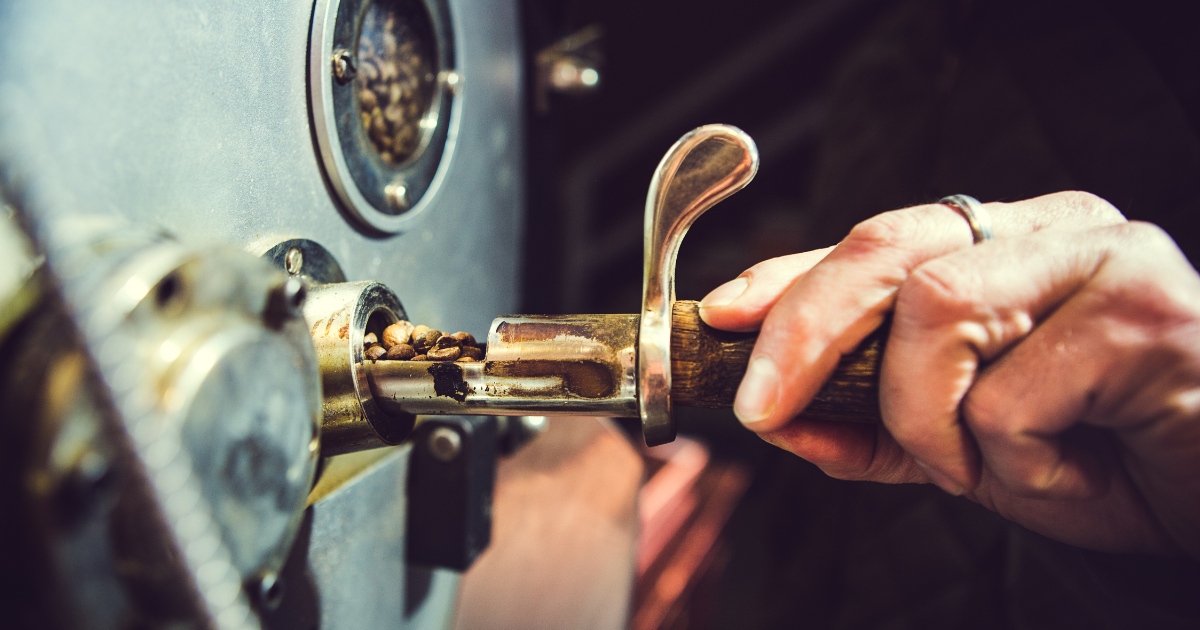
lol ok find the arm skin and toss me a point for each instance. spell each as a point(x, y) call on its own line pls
point(1052, 375)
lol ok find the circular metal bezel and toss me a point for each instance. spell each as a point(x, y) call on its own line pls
point(356, 172)
point(334, 303)
point(179, 338)
point(206, 364)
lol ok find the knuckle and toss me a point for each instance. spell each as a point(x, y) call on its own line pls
point(1029, 481)
point(1147, 235)
point(896, 229)
point(984, 409)
point(937, 289)
point(1146, 289)
point(991, 424)
point(1091, 206)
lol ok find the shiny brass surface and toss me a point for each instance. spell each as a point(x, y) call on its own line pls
point(339, 316)
point(548, 365)
point(705, 166)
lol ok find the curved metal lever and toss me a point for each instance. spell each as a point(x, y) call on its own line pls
point(704, 167)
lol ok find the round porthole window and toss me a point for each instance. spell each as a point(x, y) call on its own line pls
point(382, 84)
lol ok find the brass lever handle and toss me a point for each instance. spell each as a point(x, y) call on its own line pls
point(704, 167)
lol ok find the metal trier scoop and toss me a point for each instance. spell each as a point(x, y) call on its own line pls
point(626, 365)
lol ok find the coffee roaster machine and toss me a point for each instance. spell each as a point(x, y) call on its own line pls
point(206, 206)
point(209, 211)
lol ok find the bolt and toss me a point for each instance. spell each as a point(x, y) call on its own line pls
point(293, 262)
point(343, 66)
point(445, 444)
point(284, 302)
point(396, 195)
point(270, 590)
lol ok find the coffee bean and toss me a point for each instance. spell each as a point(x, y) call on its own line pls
point(420, 331)
point(420, 357)
point(399, 332)
point(374, 353)
point(400, 352)
point(446, 341)
point(396, 74)
point(465, 359)
point(472, 352)
point(445, 354)
point(367, 99)
point(370, 339)
point(378, 126)
point(464, 338)
point(427, 340)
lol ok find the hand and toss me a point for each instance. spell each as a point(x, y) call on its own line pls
point(1052, 375)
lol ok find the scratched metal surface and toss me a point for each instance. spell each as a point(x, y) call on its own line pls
point(194, 116)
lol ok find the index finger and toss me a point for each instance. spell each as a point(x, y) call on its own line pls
point(830, 309)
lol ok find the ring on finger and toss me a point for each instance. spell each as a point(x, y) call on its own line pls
point(977, 217)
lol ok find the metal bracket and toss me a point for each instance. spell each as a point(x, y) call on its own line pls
point(451, 478)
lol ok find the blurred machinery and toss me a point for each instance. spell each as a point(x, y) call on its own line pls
point(209, 212)
point(206, 207)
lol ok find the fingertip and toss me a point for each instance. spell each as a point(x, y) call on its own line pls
point(758, 395)
point(726, 293)
point(724, 308)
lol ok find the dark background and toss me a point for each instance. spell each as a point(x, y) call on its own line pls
point(858, 107)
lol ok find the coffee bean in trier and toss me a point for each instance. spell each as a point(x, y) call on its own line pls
point(400, 352)
point(399, 332)
point(445, 354)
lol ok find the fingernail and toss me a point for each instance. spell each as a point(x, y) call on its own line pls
point(726, 293)
point(759, 392)
point(941, 479)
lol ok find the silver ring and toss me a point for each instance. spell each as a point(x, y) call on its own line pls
point(978, 218)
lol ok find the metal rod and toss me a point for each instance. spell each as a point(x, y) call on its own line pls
point(505, 388)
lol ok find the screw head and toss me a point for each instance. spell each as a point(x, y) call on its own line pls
point(285, 302)
point(270, 590)
point(445, 444)
point(293, 262)
point(396, 195)
point(343, 66)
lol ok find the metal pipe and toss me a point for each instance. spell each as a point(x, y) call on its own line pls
point(578, 365)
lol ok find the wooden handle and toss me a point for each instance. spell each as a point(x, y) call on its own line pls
point(708, 364)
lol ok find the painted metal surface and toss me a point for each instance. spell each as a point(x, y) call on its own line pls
point(194, 116)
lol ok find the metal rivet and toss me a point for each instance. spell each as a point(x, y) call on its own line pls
point(293, 262)
point(396, 195)
point(343, 66)
point(445, 444)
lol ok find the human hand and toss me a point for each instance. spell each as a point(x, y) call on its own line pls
point(1052, 375)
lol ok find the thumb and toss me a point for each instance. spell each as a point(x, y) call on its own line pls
point(741, 304)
